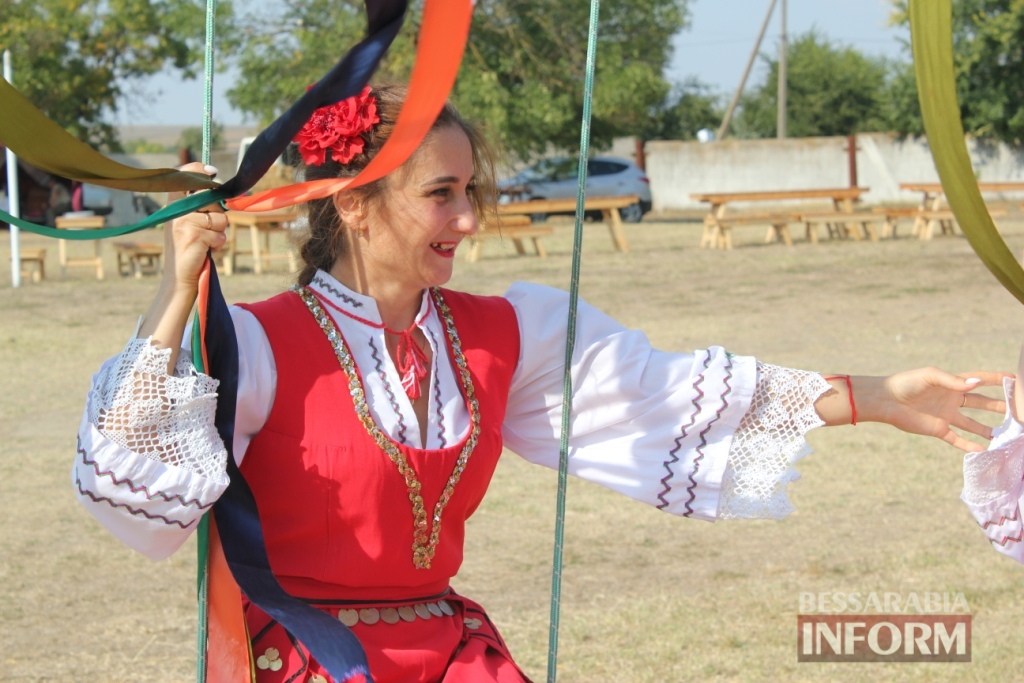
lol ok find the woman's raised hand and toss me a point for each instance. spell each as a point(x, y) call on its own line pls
point(186, 243)
point(189, 238)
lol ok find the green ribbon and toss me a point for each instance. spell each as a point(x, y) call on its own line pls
point(42, 143)
point(183, 206)
point(45, 145)
point(931, 25)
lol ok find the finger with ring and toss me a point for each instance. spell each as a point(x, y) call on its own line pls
point(209, 226)
point(964, 401)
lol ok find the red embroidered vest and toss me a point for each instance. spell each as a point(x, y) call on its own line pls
point(336, 512)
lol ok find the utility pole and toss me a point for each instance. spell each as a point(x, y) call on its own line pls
point(783, 49)
point(746, 72)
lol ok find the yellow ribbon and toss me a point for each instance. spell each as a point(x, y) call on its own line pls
point(931, 28)
point(47, 146)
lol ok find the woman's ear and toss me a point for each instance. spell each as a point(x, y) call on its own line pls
point(351, 209)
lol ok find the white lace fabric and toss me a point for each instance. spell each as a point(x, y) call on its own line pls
point(770, 439)
point(997, 472)
point(166, 418)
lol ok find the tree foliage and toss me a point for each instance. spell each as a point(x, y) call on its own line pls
point(831, 90)
point(74, 59)
point(989, 61)
point(192, 138)
point(521, 76)
point(689, 107)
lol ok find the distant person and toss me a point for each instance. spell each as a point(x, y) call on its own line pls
point(77, 196)
point(373, 405)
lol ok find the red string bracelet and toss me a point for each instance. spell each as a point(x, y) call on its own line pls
point(849, 393)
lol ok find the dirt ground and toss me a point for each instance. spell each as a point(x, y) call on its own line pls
point(647, 597)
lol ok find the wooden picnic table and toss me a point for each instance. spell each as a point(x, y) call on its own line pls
point(932, 212)
point(511, 226)
point(261, 224)
point(717, 231)
point(80, 223)
point(608, 206)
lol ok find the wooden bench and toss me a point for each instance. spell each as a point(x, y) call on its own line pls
point(717, 222)
point(944, 220)
point(838, 224)
point(136, 258)
point(33, 263)
point(841, 224)
point(893, 215)
point(514, 227)
point(720, 229)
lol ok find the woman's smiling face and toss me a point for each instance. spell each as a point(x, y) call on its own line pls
point(411, 235)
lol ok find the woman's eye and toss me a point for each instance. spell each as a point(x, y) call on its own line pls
point(441, 192)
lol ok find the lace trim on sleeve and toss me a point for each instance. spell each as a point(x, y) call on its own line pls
point(166, 418)
point(770, 439)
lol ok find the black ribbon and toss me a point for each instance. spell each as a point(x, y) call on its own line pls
point(347, 78)
point(329, 641)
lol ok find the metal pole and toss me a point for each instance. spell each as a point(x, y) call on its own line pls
point(13, 203)
point(783, 49)
point(743, 79)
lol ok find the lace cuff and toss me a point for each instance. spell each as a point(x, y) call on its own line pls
point(998, 471)
point(770, 439)
point(166, 418)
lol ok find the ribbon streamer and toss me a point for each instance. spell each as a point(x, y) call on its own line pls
point(931, 26)
point(442, 39)
point(43, 143)
point(440, 45)
point(237, 517)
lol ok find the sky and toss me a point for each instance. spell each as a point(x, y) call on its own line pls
point(714, 49)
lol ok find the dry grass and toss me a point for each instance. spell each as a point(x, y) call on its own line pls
point(647, 597)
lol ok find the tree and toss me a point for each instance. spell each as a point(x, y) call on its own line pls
point(140, 146)
point(521, 76)
point(74, 59)
point(832, 90)
point(989, 62)
point(689, 107)
point(192, 138)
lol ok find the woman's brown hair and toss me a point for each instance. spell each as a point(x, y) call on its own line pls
point(326, 238)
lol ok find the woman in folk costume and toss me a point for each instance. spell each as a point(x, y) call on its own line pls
point(373, 405)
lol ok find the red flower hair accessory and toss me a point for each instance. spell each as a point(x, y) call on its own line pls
point(338, 127)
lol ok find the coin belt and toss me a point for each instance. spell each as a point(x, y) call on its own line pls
point(392, 615)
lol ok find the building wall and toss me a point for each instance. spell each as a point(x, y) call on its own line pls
point(679, 169)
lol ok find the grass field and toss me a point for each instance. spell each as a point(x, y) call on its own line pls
point(647, 597)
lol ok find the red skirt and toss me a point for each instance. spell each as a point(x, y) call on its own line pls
point(444, 639)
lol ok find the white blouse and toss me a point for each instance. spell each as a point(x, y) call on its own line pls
point(993, 486)
point(707, 435)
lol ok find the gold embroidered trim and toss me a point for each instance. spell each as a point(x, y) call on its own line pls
point(426, 535)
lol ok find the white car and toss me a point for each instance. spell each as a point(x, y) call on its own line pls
point(556, 178)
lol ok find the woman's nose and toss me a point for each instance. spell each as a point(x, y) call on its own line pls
point(467, 222)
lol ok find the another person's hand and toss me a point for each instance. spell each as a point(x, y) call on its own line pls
point(928, 401)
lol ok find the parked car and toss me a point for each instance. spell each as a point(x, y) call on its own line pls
point(556, 178)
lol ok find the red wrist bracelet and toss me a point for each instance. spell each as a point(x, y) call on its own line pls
point(849, 393)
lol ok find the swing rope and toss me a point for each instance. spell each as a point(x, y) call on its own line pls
point(570, 344)
point(203, 530)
